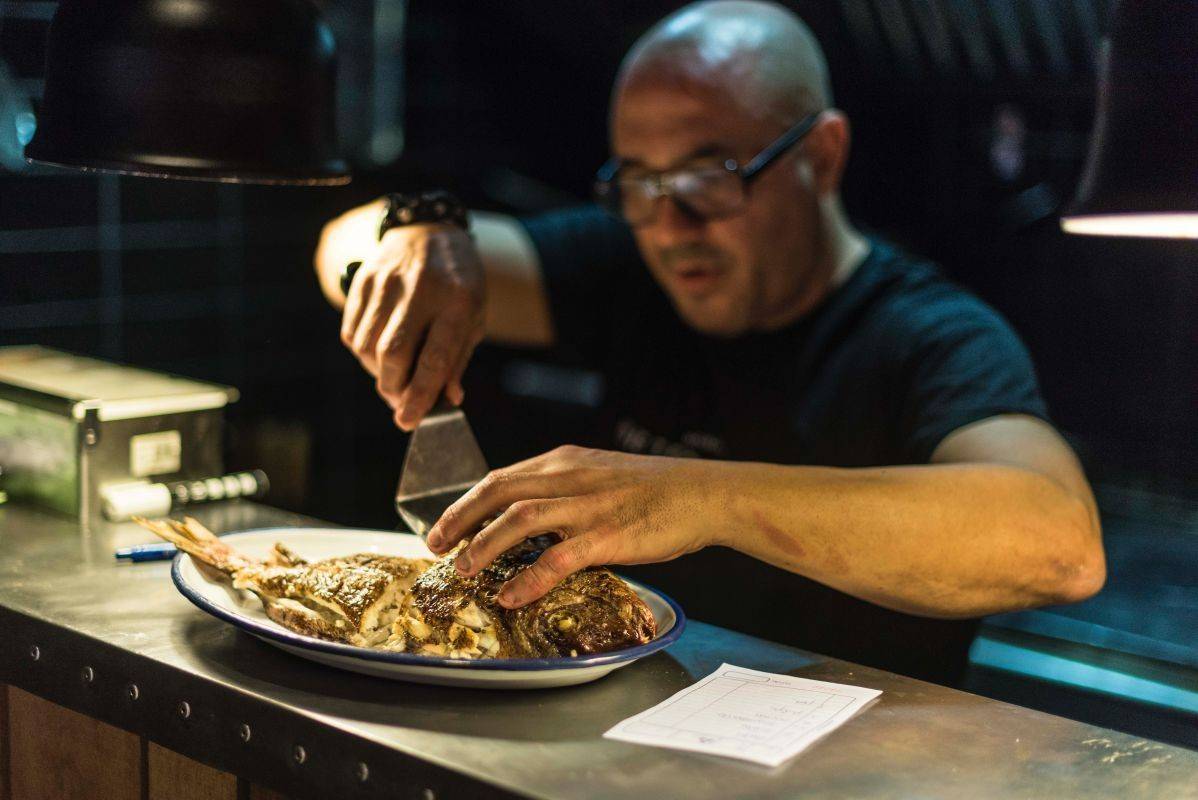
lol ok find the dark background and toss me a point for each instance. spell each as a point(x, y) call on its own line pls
point(970, 122)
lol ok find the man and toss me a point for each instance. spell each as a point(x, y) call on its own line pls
point(877, 470)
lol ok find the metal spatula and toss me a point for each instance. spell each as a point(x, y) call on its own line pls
point(442, 462)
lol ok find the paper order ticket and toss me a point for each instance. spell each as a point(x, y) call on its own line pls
point(747, 714)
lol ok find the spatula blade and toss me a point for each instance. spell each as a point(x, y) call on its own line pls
point(443, 461)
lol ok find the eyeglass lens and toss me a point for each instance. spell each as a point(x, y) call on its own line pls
point(708, 193)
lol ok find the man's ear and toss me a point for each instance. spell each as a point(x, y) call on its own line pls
point(826, 149)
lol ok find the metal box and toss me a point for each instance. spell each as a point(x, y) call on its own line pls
point(70, 425)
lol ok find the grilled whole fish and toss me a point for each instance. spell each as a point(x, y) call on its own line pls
point(424, 606)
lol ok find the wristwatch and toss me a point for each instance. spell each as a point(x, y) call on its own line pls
point(411, 209)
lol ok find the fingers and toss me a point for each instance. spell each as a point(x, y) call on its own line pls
point(497, 491)
point(554, 565)
point(377, 307)
point(494, 493)
point(355, 304)
point(413, 316)
point(454, 390)
point(395, 351)
point(437, 359)
point(522, 520)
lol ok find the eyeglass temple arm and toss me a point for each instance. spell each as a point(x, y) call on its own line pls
point(608, 171)
point(779, 146)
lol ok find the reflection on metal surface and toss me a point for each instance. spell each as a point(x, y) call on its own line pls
point(1058, 669)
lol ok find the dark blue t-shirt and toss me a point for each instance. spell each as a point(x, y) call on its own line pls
point(877, 374)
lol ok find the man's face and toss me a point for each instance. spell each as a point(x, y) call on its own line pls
point(747, 271)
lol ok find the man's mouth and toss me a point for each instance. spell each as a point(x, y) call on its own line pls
point(695, 277)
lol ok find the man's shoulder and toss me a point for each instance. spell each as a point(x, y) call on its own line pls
point(916, 300)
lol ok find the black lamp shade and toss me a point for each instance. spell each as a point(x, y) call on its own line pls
point(1141, 178)
point(227, 90)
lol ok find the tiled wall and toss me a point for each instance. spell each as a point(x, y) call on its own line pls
point(506, 104)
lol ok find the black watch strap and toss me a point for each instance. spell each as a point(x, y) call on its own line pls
point(411, 209)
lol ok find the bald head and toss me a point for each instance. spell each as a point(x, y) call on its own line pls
point(714, 84)
point(759, 53)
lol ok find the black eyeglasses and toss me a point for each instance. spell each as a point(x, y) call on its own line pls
point(706, 191)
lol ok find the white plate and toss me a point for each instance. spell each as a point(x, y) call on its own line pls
point(244, 610)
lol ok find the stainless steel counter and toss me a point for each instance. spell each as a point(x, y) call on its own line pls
point(66, 606)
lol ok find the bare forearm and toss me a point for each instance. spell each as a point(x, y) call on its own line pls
point(517, 305)
point(953, 540)
point(353, 236)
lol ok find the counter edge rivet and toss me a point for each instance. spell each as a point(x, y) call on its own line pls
point(244, 732)
point(133, 691)
point(35, 652)
point(87, 674)
point(299, 754)
point(363, 772)
point(184, 709)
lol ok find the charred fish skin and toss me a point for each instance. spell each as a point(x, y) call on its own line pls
point(591, 611)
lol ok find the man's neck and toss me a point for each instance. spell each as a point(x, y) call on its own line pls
point(848, 247)
point(841, 250)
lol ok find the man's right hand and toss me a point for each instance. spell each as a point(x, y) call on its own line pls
point(414, 314)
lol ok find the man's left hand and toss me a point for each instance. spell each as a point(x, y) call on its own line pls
point(606, 508)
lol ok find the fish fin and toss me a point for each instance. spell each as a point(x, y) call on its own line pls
point(201, 544)
point(182, 530)
point(196, 529)
point(169, 530)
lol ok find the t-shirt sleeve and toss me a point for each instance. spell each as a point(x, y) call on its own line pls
point(587, 257)
point(963, 364)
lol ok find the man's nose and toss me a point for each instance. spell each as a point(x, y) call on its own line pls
point(674, 222)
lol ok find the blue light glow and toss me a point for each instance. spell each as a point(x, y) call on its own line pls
point(26, 125)
point(1011, 658)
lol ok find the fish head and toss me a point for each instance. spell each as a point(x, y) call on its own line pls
point(592, 611)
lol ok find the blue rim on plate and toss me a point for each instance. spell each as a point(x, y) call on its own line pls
point(284, 636)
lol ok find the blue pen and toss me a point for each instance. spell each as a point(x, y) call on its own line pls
point(161, 551)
